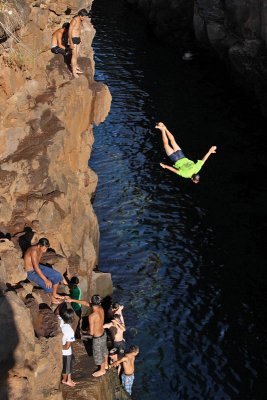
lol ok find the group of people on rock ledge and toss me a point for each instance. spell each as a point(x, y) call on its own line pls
point(67, 39)
point(98, 321)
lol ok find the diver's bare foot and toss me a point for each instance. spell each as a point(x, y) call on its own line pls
point(98, 373)
point(79, 72)
point(72, 384)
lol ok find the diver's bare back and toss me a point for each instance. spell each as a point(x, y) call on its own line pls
point(32, 252)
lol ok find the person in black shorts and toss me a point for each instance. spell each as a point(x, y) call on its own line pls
point(182, 165)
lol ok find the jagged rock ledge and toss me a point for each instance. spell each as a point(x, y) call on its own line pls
point(46, 137)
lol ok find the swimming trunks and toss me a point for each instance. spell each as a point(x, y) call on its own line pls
point(120, 346)
point(58, 50)
point(100, 349)
point(76, 40)
point(127, 382)
point(177, 155)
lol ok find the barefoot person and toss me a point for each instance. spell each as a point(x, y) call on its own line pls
point(96, 322)
point(75, 39)
point(127, 377)
point(60, 40)
point(46, 278)
point(182, 165)
point(67, 316)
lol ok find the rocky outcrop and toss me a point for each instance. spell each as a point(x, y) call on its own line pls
point(46, 186)
point(171, 20)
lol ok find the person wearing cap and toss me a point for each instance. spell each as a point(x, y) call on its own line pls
point(75, 39)
point(182, 165)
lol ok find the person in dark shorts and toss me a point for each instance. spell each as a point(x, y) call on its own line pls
point(182, 165)
point(67, 315)
point(75, 39)
point(96, 324)
point(117, 328)
point(60, 40)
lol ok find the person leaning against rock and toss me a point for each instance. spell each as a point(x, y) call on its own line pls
point(97, 331)
point(75, 39)
point(47, 278)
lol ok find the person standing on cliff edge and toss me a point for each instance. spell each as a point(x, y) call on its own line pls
point(182, 165)
point(97, 331)
point(45, 277)
point(75, 39)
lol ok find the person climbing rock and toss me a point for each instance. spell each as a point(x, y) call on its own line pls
point(45, 277)
point(182, 165)
point(75, 39)
point(60, 40)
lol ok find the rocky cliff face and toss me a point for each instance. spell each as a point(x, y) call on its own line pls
point(46, 137)
point(234, 29)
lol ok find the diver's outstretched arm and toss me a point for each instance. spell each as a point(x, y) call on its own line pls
point(212, 150)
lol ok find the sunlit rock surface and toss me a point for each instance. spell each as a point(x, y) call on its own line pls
point(46, 138)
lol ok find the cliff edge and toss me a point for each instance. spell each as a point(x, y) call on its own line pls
point(46, 186)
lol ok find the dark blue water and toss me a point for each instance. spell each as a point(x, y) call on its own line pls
point(188, 261)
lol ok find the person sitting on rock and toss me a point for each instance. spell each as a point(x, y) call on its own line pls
point(60, 40)
point(127, 377)
point(75, 39)
point(45, 277)
point(182, 165)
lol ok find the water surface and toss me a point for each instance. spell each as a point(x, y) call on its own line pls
point(188, 261)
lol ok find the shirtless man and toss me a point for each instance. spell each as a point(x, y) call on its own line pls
point(127, 377)
point(75, 39)
point(117, 327)
point(60, 40)
point(46, 278)
point(96, 323)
